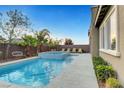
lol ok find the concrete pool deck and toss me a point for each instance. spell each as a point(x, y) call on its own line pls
point(77, 74)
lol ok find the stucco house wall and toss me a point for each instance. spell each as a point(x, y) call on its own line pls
point(118, 61)
point(93, 34)
point(94, 38)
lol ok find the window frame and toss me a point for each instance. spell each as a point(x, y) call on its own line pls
point(115, 52)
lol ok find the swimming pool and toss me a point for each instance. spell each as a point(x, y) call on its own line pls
point(54, 55)
point(36, 72)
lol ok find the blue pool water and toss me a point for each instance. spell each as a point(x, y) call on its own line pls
point(33, 73)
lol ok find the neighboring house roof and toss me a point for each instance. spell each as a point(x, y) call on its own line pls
point(101, 12)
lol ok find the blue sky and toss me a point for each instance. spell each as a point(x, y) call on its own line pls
point(67, 21)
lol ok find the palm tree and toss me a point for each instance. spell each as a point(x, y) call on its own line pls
point(28, 41)
point(42, 37)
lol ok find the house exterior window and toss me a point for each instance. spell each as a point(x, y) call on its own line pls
point(102, 38)
point(113, 31)
point(108, 33)
point(107, 36)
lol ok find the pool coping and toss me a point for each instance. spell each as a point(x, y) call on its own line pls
point(16, 61)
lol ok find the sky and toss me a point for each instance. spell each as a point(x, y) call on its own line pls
point(63, 21)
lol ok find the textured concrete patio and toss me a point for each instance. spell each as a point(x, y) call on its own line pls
point(78, 74)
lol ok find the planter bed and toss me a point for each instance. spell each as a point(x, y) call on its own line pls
point(106, 75)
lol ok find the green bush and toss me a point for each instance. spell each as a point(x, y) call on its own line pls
point(103, 72)
point(113, 83)
point(98, 61)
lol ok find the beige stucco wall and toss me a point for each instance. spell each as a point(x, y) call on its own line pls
point(118, 62)
point(94, 42)
point(94, 35)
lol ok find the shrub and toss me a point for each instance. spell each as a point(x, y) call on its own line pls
point(98, 61)
point(103, 72)
point(113, 83)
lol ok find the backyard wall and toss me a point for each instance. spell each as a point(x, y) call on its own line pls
point(85, 48)
point(118, 62)
point(13, 48)
point(32, 51)
point(26, 51)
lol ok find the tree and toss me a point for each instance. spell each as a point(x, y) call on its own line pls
point(2, 40)
point(42, 37)
point(28, 41)
point(53, 43)
point(12, 24)
point(68, 42)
